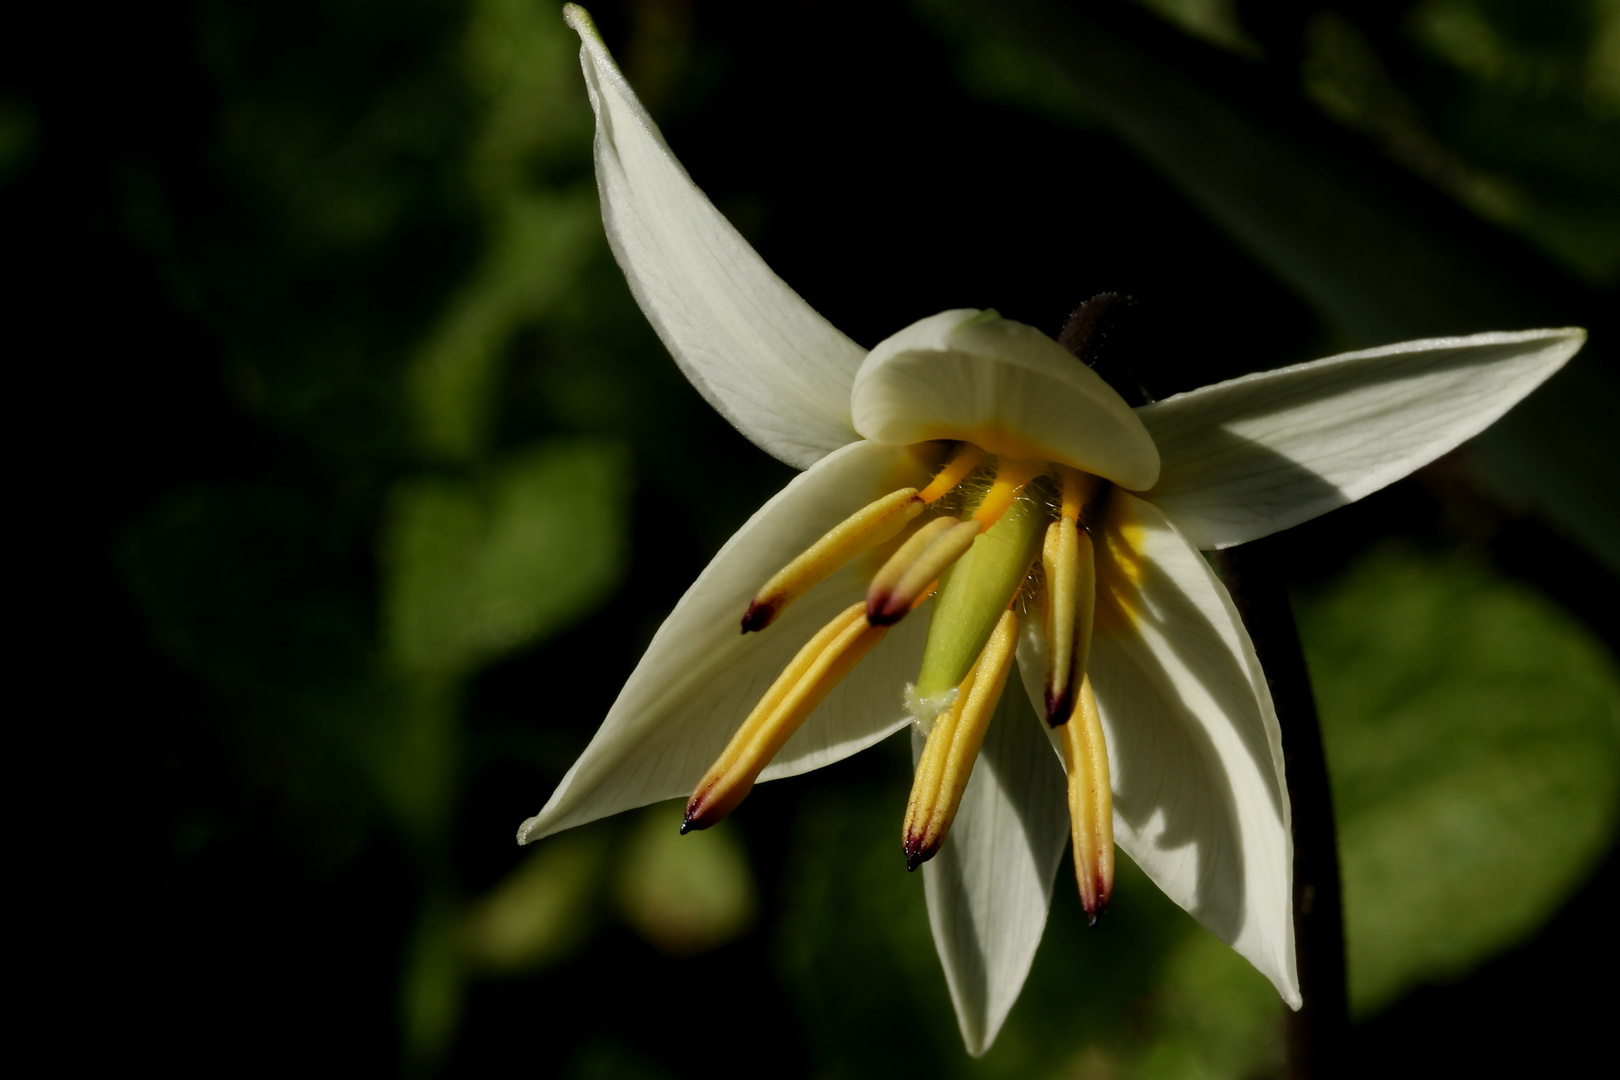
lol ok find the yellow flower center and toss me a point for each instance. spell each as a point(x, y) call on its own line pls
point(988, 538)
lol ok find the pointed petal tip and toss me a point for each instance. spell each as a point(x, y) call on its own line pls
point(580, 21)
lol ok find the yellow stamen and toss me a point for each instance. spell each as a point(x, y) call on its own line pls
point(1071, 603)
point(807, 680)
point(916, 567)
point(1078, 488)
point(968, 457)
point(1011, 477)
point(861, 531)
point(1091, 803)
point(953, 747)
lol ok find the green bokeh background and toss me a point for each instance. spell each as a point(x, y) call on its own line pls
point(364, 483)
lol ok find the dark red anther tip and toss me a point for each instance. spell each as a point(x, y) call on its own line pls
point(918, 853)
point(1059, 709)
point(758, 616)
point(883, 611)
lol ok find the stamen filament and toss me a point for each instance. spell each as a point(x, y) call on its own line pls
point(1091, 803)
point(812, 674)
point(1011, 478)
point(968, 457)
point(861, 531)
point(910, 573)
point(953, 745)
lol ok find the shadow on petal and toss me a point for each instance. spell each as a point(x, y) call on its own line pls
point(1178, 812)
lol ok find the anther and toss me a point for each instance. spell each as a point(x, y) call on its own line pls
point(914, 569)
point(1091, 803)
point(1071, 591)
point(953, 747)
point(812, 674)
point(860, 532)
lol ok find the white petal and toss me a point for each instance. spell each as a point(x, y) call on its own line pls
point(1250, 456)
point(1006, 387)
point(990, 886)
point(1200, 801)
point(756, 351)
point(701, 675)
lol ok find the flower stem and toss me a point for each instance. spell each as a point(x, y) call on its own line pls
point(1318, 1033)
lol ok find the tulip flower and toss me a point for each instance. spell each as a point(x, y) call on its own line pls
point(989, 546)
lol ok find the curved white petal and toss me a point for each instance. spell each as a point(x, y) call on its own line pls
point(1004, 386)
point(990, 886)
point(701, 675)
point(1200, 801)
point(756, 351)
point(1248, 457)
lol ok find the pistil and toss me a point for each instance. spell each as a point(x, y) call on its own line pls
point(973, 594)
point(953, 745)
point(820, 666)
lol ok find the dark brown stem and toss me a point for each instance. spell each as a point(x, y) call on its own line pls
point(1318, 1033)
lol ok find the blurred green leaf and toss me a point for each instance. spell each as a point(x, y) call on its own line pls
point(538, 245)
point(543, 910)
point(474, 569)
point(1212, 1015)
point(1145, 993)
point(18, 130)
point(1216, 21)
point(527, 166)
point(1473, 737)
point(407, 734)
point(432, 986)
point(685, 894)
point(602, 1059)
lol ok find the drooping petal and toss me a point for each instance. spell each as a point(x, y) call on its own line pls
point(990, 886)
point(701, 675)
point(1004, 386)
point(1200, 800)
point(756, 351)
point(1248, 457)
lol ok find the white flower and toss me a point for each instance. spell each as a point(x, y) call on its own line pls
point(1152, 688)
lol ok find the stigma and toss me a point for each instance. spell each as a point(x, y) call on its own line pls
point(991, 540)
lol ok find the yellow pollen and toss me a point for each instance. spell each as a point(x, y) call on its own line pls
point(948, 757)
point(861, 531)
point(1091, 803)
point(807, 680)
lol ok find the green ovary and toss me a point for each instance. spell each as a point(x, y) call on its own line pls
point(974, 593)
